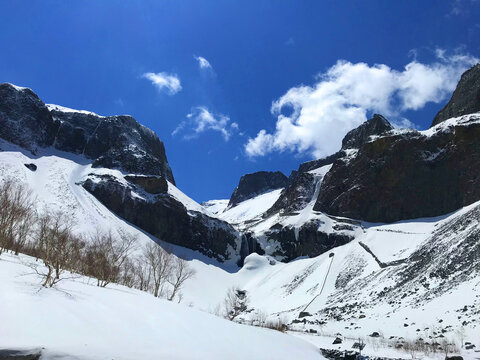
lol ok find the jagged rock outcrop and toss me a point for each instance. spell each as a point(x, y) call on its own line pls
point(406, 175)
point(296, 195)
point(304, 241)
point(355, 138)
point(251, 185)
point(142, 196)
point(151, 184)
point(315, 164)
point(301, 184)
point(411, 174)
point(110, 141)
point(465, 98)
point(24, 118)
point(164, 217)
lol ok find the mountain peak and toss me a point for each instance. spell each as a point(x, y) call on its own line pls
point(251, 185)
point(110, 141)
point(357, 137)
point(465, 99)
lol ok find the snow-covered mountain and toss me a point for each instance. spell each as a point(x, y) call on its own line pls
point(120, 162)
point(381, 238)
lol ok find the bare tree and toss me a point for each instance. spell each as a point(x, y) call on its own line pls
point(105, 256)
point(181, 273)
point(16, 216)
point(56, 246)
point(128, 273)
point(143, 274)
point(448, 347)
point(160, 263)
point(411, 348)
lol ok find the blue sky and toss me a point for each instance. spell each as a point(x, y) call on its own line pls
point(217, 122)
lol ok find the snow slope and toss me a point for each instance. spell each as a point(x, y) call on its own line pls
point(82, 321)
point(363, 288)
point(346, 289)
point(55, 187)
point(250, 209)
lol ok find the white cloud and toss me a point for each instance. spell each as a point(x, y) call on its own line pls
point(202, 62)
point(164, 81)
point(201, 119)
point(323, 113)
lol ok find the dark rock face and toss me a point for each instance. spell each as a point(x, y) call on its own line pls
point(249, 245)
point(151, 184)
point(296, 195)
point(24, 118)
point(315, 164)
point(301, 185)
point(405, 176)
point(357, 137)
point(6, 354)
point(307, 242)
point(111, 141)
point(465, 99)
point(337, 341)
point(31, 166)
point(164, 217)
point(254, 184)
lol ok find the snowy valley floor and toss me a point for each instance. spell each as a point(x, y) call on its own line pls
point(78, 320)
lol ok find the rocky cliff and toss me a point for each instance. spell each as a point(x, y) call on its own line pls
point(251, 185)
point(301, 184)
point(141, 193)
point(146, 203)
point(110, 141)
point(465, 98)
point(410, 174)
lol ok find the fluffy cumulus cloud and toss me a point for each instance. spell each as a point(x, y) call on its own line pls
point(315, 118)
point(165, 82)
point(201, 119)
point(203, 63)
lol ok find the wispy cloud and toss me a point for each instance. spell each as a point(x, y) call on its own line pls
point(290, 41)
point(203, 63)
point(119, 102)
point(166, 82)
point(323, 113)
point(200, 119)
point(460, 7)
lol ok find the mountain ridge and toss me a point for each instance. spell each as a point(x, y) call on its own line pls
point(318, 207)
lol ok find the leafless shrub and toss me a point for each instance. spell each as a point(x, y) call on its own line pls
point(277, 324)
point(105, 256)
point(419, 346)
point(143, 274)
point(128, 274)
point(16, 216)
point(235, 302)
point(180, 273)
point(57, 247)
point(259, 318)
point(160, 263)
